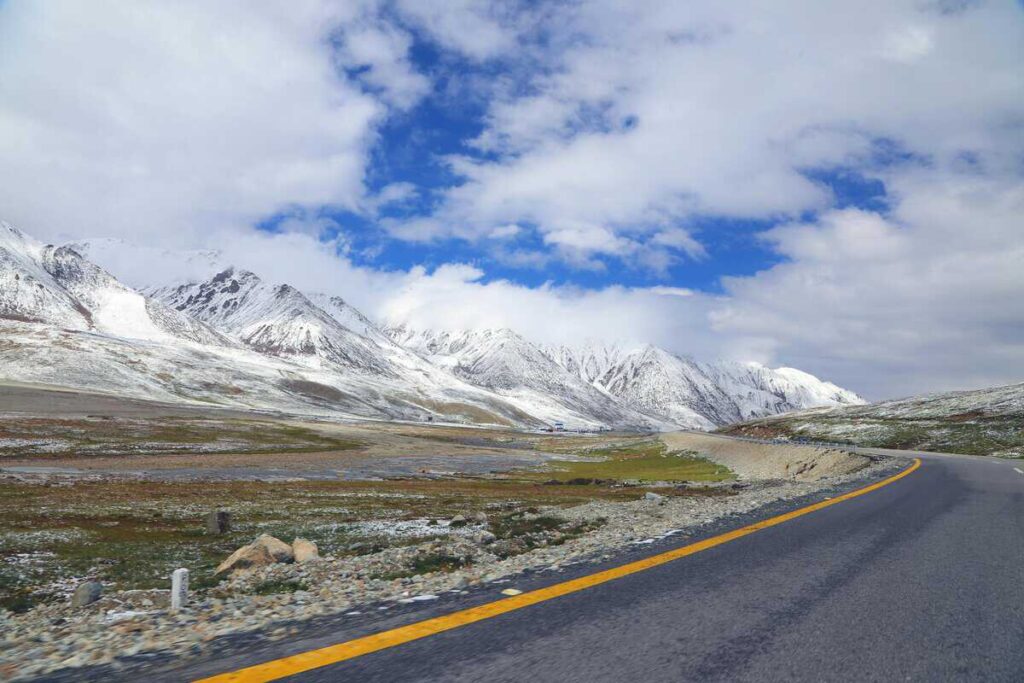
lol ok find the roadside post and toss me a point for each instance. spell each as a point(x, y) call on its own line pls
point(179, 589)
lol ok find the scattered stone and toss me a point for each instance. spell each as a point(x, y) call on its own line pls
point(457, 521)
point(305, 551)
point(480, 518)
point(218, 522)
point(263, 551)
point(484, 538)
point(511, 591)
point(655, 497)
point(86, 593)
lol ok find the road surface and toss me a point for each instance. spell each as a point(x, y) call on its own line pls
point(919, 580)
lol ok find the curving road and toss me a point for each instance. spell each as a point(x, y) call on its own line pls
point(920, 580)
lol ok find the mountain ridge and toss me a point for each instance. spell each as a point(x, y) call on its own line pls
point(232, 338)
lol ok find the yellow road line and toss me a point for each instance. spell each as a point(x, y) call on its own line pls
point(314, 659)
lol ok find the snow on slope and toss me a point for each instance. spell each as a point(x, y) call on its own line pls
point(696, 395)
point(675, 389)
point(977, 422)
point(508, 364)
point(56, 285)
point(27, 291)
point(274, 319)
point(278, 320)
point(760, 391)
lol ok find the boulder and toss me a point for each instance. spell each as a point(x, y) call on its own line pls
point(480, 518)
point(263, 551)
point(305, 551)
point(654, 497)
point(86, 593)
point(218, 522)
point(457, 521)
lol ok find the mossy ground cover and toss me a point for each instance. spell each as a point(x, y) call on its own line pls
point(643, 461)
point(132, 534)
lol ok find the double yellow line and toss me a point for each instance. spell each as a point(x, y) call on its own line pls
point(333, 654)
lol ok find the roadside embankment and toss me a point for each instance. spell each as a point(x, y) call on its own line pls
point(749, 460)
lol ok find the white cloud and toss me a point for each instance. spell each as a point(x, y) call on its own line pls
point(928, 298)
point(658, 111)
point(455, 297)
point(160, 121)
point(471, 26)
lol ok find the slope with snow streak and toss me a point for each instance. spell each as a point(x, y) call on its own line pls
point(57, 286)
point(759, 391)
point(508, 364)
point(274, 319)
point(674, 389)
point(696, 395)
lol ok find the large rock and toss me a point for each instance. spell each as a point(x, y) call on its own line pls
point(305, 551)
point(86, 593)
point(263, 551)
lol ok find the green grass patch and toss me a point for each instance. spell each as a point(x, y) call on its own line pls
point(647, 461)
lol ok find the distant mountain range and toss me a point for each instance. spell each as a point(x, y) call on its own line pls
point(236, 340)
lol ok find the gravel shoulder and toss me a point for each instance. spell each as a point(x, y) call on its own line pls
point(125, 634)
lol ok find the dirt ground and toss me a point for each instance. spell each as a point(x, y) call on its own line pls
point(750, 460)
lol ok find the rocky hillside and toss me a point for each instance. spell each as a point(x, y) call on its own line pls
point(520, 371)
point(981, 422)
point(681, 391)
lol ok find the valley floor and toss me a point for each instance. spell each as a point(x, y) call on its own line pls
point(95, 488)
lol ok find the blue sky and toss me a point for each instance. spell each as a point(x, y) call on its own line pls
point(835, 187)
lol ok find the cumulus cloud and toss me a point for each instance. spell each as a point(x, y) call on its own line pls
point(158, 121)
point(925, 299)
point(457, 297)
point(659, 111)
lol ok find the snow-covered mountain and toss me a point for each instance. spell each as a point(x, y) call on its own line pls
point(274, 319)
point(759, 391)
point(234, 339)
point(57, 286)
point(681, 391)
point(520, 371)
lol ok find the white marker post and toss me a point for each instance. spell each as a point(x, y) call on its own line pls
point(179, 589)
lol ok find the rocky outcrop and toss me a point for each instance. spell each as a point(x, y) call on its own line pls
point(263, 551)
